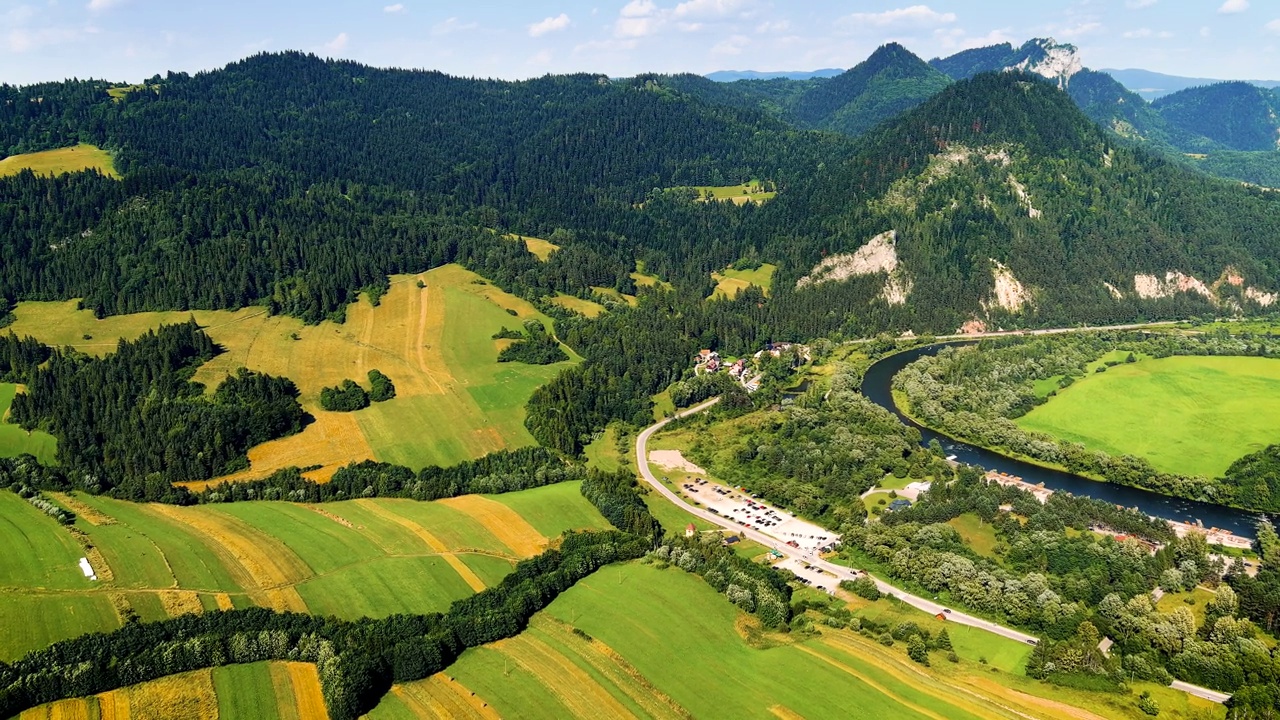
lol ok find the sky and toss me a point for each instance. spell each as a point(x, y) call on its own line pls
point(131, 40)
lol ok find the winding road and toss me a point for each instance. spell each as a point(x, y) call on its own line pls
point(840, 571)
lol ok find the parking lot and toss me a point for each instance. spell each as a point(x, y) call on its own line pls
point(810, 575)
point(751, 512)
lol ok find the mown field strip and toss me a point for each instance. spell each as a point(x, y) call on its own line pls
point(264, 564)
point(431, 541)
point(614, 668)
point(506, 524)
point(579, 692)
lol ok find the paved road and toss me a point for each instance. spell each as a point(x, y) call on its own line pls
point(839, 571)
point(1206, 693)
point(1045, 331)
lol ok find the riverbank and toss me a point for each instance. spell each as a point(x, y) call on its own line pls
point(1239, 523)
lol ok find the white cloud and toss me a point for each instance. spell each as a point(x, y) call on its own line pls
point(100, 5)
point(1234, 6)
point(914, 16)
point(338, 44)
point(1146, 33)
point(638, 8)
point(1139, 4)
point(708, 8)
point(1273, 26)
point(22, 40)
point(452, 25)
point(956, 39)
point(551, 24)
point(773, 26)
point(1080, 30)
point(638, 18)
point(397, 8)
point(733, 45)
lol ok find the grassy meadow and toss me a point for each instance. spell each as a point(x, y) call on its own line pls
point(730, 282)
point(738, 194)
point(61, 160)
point(578, 305)
point(369, 557)
point(15, 441)
point(1188, 415)
point(435, 343)
point(538, 247)
point(635, 641)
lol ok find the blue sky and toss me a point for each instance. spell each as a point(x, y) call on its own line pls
point(134, 39)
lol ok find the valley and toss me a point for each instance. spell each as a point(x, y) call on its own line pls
point(925, 389)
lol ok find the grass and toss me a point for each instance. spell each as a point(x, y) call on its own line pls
point(371, 557)
point(245, 692)
point(538, 247)
point(643, 279)
point(1199, 599)
point(578, 305)
point(971, 644)
point(61, 160)
point(15, 441)
point(435, 343)
point(678, 640)
point(739, 194)
point(602, 453)
point(1188, 415)
point(730, 282)
point(976, 534)
point(663, 406)
point(612, 294)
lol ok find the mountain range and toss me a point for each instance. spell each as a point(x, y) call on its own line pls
point(297, 183)
point(1153, 85)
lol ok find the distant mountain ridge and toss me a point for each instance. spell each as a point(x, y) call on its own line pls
point(1152, 85)
point(734, 75)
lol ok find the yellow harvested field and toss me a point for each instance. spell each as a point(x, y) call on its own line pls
point(181, 602)
point(308, 702)
point(578, 305)
point(86, 512)
point(61, 160)
point(113, 705)
point(466, 573)
point(538, 247)
point(258, 562)
point(224, 601)
point(569, 683)
point(506, 524)
point(189, 696)
point(443, 698)
point(433, 342)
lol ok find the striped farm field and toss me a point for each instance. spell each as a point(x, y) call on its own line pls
point(435, 342)
point(632, 641)
point(361, 558)
point(260, 691)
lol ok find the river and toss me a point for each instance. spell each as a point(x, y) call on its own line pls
point(877, 386)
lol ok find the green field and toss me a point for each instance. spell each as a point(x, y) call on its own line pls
point(435, 342)
point(730, 282)
point(976, 534)
point(663, 644)
point(739, 194)
point(348, 559)
point(61, 160)
point(1187, 415)
point(245, 692)
point(15, 441)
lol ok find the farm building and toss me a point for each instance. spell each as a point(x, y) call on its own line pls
point(900, 504)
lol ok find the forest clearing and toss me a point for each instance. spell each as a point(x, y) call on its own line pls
point(435, 342)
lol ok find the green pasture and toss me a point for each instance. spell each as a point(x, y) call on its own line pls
point(1186, 415)
point(61, 160)
point(30, 621)
point(494, 392)
point(37, 552)
point(976, 534)
point(679, 634)
point(730, 282)
point(385, 586)
point(742, 193)
point(15, 441)
point(555, 508)
point(323, 544)
point(603, 453)
point(245, 692)
point(970, 643)
point(452, 527)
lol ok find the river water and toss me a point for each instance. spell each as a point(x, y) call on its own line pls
point(877, 386)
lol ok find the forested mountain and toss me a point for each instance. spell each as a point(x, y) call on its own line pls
point(1234, 115)
point(734, 75)
point(889, 82)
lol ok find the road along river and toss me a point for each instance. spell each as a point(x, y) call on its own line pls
point(877, 386)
